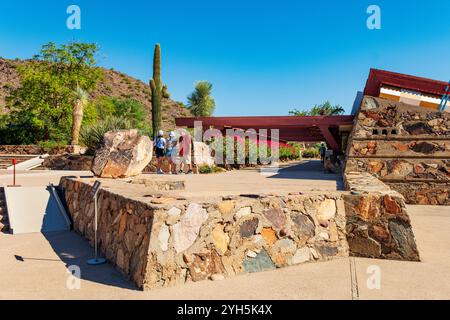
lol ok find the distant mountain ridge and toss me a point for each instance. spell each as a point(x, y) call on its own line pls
point(113, 84)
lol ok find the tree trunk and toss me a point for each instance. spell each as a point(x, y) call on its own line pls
point(77, 118)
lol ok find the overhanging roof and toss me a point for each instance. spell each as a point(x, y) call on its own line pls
point(291, 128)
point(377, 78)
point(266, 122)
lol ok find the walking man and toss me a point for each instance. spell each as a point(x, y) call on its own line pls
point(322, 150)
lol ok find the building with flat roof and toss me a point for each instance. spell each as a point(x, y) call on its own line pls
point(405, 88)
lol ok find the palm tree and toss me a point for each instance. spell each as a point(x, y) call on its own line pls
point(81, 99)
point(200, 101)
point(325, 109)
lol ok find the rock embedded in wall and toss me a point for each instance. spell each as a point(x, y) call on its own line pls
point(326, 211)
point(248, 228)
point(262, 262)
point(221, 239)
point(187, 230)
point(204, 266)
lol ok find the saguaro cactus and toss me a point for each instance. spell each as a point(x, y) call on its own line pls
point(156, 87)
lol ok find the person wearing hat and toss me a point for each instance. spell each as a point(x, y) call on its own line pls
point(170, 152)
point(185, 146)
point(160, 146)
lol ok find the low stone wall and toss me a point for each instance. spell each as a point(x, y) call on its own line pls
point(36, 150)
point(68, 162)
point(158, 238)
point(378, 225)
point(165, 240)
point(423, 193)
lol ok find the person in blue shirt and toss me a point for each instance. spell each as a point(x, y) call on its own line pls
point(170, 152)
point(160, 147)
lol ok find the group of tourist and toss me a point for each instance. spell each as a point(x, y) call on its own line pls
point(177, 150)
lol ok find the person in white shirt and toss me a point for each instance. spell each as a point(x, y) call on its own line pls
point(170, 152)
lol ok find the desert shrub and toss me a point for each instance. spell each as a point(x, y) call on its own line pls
point(311, 153)
point(91, 135)
point(205, 169)
point(125, 108)
point(239, 148)
point(289, 153)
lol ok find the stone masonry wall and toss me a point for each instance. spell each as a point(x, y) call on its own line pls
point(165, 240)
point(407, 147)
point(36, 150)
point(378, 225)
point(161, 239)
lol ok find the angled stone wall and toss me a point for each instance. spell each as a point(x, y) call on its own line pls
point(161, 239)
point(378, 225)
point(166, 240)
point(405, 146)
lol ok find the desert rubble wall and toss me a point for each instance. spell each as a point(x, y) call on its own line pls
point(405, 146)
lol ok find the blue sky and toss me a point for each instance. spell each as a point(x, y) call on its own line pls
point(263, 57)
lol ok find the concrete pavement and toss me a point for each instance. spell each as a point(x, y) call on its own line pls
point(35, 266)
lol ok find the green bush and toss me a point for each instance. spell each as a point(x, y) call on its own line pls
point(91, 135)
point(289, 153)
point(125, 108)
point(248, 148)
point(205, 169)
point(311, 153)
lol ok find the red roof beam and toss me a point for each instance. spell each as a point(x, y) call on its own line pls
point(377, 78)
point(277, 122)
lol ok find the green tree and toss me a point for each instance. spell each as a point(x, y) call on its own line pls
point(41, 108)
point(200, 102)
point(325, 109)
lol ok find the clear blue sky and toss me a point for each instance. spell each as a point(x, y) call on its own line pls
point(263, 57)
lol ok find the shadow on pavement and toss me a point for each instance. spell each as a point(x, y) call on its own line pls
point(308, 170)
point(74, 250)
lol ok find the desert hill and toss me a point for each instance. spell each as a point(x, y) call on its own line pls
point(113, 84)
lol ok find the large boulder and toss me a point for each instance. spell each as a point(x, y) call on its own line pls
point(202, 154)
point(123, 153)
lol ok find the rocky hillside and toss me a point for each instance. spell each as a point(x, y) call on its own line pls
point(114, 84)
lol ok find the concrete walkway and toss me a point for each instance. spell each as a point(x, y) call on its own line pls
point(35, 266)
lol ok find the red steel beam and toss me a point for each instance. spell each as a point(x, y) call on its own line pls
point(379, 77)
point(292, 128)
point(329, 138)
point(276, 122)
